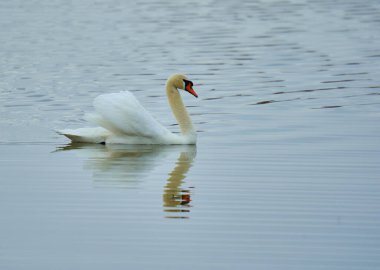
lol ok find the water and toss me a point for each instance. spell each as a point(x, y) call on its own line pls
point(285, 174)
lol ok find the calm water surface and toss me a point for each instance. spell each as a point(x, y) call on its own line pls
point(286, 171)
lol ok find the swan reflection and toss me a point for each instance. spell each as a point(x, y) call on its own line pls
point(124, 166)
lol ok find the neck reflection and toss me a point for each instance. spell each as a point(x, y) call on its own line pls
point(176, 198)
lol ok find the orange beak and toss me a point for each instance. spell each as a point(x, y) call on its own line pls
point(191, 90)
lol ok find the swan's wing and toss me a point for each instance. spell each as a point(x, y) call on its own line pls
point(122, 114)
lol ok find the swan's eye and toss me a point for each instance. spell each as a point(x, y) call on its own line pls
point(187, 84)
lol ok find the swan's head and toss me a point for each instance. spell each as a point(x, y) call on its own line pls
point(181, 81)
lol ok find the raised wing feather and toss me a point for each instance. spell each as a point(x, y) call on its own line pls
point(121, 113)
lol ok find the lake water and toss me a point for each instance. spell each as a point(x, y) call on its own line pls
point(286, 171)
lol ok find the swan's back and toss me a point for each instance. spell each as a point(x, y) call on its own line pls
point(122, 114)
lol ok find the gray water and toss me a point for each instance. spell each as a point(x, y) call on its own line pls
point(286, 171)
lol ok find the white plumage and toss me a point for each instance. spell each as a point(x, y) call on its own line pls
point(122, 119)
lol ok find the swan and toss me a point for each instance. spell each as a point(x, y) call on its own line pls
point(123, 120)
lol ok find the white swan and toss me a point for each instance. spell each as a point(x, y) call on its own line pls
point(123, 120)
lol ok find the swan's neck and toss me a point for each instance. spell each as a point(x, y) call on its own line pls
point(179, 110)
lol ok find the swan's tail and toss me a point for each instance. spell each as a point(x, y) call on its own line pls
point(85, 135)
